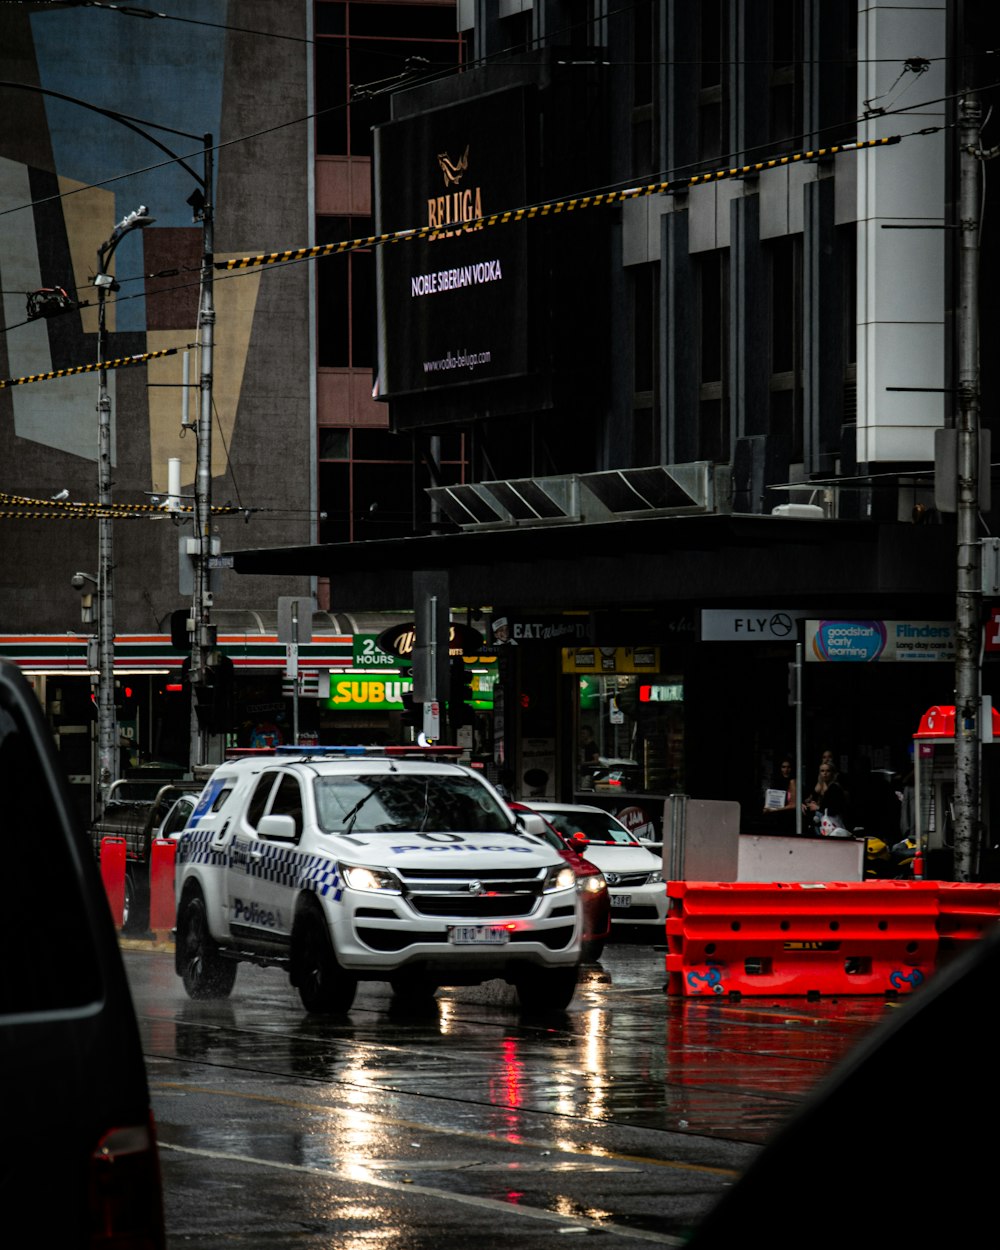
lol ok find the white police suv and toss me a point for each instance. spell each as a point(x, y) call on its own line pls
point(350, 864)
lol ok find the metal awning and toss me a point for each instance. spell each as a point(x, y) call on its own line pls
point(638, 562)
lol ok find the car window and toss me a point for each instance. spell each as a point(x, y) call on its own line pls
point(177, 817)
point(287, 801)
point(398, 802)
point(221, 797)
point(50, 966)
point(258, 803)
point(598, 827)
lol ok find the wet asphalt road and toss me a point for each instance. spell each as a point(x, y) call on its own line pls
point(468, 1125)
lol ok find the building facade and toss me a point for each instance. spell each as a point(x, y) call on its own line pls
point(683, 278)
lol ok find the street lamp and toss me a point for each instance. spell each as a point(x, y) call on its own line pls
point(107, 736)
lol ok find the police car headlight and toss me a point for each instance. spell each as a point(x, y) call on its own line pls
point(593, 884)
point(655, 878)
point(563, 878)
point(371, 879)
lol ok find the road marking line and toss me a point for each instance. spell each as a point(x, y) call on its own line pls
point(359, 1176)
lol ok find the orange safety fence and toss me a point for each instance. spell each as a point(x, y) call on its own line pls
point(966, 911)
point(162, 854)
point(113, 875)
point(870, 937)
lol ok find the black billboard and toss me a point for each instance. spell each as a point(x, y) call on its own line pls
point(452, 307)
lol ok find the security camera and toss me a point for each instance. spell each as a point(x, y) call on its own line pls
point(78, 581)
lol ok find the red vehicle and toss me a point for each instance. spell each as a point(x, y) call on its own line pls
point(591, 886)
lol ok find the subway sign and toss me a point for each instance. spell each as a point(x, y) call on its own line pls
point(364, 693)
point(367, 694)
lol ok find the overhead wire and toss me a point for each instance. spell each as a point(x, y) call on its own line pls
point(364, 242)
point(500, 59)
point(128, 10)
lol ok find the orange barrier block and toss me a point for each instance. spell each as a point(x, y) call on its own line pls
point(966, 911)
point(162, 854)
point(113, 875)
point(870, 937)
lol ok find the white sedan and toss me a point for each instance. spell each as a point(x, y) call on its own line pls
point(633, 873)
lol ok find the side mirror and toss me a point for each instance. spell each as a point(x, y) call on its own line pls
point(531, 822)
point(277, 828)
point(579, 842)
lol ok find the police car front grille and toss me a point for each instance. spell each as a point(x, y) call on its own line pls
point(474, 906)
point(463, 875)
point(396, 939)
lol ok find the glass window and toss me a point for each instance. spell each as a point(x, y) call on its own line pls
point(334, 444)
point(51, 960)
point(288, 801)
point(631, 733)
point(600, 828)
point(410, 803)
point(361, 49)
point(259, 801)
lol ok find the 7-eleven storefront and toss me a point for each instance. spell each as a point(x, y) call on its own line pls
point(347, 691)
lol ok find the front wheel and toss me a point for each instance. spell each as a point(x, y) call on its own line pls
point(590, 952)
point(202, 968)
point(324, 987)
point(546, 989)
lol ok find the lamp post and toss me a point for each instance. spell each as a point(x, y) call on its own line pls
point(968, 612)
point(107, 736)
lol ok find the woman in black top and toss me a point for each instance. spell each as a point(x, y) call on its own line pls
point(828, 798)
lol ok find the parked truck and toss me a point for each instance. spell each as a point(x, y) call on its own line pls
point(140, 811)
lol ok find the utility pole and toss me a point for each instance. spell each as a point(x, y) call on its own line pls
point(204, 654)
point(107, 725)
point(968, 607)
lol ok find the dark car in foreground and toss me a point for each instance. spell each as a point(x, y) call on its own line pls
point(78, 1158)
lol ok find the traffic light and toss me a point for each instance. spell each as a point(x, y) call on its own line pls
point(213, 698)
point(461, 694)
point(124, 694)
point(413, 713)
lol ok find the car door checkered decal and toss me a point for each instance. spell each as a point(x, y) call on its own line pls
point(285, 865)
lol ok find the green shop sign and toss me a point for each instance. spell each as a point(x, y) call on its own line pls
point(371, 694)
point(368, 654)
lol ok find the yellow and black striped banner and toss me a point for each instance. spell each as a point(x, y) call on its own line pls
point(604, 198)
point(120, 362)
point(60, 509)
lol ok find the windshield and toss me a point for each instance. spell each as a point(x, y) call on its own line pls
point(599, 827)
point(407, 802)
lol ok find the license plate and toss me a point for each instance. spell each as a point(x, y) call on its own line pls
point(621, 900)
point(477, 935)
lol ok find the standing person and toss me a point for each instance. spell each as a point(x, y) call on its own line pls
point(589, 750)
point(827, 798)
point(781, 819)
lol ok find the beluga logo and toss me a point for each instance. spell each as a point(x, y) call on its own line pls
point(456, 208)
point(453, 170)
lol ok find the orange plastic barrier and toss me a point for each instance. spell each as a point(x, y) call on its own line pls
point(162, 854)
point(966, 911)
point(869, 937)
point(113, 876)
